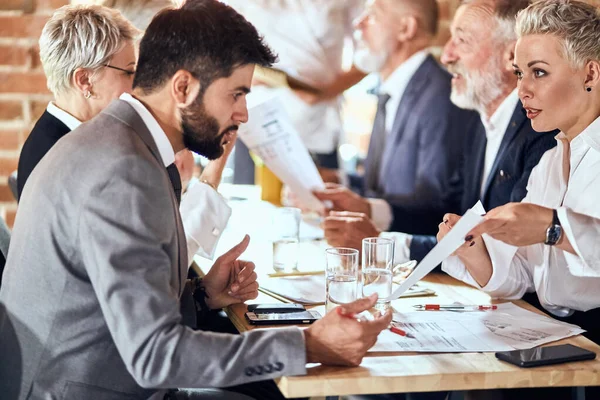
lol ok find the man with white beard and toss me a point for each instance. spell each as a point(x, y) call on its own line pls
point(417, 137)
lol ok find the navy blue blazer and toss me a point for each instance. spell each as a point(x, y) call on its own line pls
point(46, 132)
point(421, 152)
point(520, 151)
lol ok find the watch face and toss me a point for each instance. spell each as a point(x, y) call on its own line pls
point(553, 234)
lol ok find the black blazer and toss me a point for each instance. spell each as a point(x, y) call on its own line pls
point(520, 151)
point(421, 153)
point(46, 132)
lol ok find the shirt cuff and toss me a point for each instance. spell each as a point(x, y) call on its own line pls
point(381, 214)
point(454, 267)
point(580, 239)
point(205, 215)
point(401, 245)
point(501, 255)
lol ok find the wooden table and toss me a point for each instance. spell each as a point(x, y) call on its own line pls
point(419, 372)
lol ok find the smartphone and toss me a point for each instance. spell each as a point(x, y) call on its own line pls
point(276, 308)
point(303, 317)
point(545, 355)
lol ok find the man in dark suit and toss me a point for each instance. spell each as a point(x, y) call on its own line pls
point(415, 143)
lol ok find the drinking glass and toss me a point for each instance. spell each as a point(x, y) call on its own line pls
point(377, 263)
point(342, 276)
point(286, 227)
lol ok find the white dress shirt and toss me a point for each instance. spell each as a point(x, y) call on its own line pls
point(308, 36)
point(395, 86)
point(495, 129)
point(567, 180)
point(70, 121)
point(203, 210)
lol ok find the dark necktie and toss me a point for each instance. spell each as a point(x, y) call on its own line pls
point(175, 181)
point(378, 139)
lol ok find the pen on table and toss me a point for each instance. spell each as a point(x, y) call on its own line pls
point(295, 273)
point(401, 332)
point(455, 307)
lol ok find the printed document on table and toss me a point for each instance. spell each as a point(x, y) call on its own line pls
point(452, 241)
point(270, 134)
point(508, 328)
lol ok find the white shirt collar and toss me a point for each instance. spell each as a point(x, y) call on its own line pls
point(160, 137)
point(396, 83)
point(501, 117)
point(590, 135)
point(70, 121)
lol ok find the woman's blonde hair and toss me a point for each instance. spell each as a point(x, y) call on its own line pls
point(575, 23)
point(81, 37)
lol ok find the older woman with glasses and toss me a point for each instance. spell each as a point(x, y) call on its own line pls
point(546, 245)
point(88, 56)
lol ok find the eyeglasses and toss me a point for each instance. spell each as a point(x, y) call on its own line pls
point(127, 71)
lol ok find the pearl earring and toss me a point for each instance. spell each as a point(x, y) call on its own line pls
point(87, 94)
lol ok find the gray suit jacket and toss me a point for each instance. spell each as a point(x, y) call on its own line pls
point(99, 229)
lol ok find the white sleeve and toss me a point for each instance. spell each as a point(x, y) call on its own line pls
point(583, 232)
point(511, 277)
point(401, 245)
point(381, 214)
point(205, 214)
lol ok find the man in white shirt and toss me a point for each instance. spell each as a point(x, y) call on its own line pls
point(309, 38)
point(415, 144)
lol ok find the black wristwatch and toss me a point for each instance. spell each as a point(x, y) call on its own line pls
point(554, 231)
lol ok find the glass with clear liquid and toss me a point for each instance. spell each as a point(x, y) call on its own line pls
point(342, 277)
point(286, 228)
point(377, 264)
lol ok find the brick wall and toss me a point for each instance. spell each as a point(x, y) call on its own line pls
point(23, 93)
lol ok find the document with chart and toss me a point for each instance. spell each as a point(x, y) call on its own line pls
point(508, 328)
point(270, 134)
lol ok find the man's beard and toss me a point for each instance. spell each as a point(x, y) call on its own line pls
point(481, 87)
point(201, 130)
point(365, 59)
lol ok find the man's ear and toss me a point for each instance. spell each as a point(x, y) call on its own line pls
point(508, 56)
point(407, 28)
point(184, 88)
point(82, 80)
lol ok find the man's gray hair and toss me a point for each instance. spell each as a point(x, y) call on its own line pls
point(81, 37)
point(575, 23)
point(505, 15)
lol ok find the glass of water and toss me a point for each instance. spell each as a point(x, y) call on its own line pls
point(342, 275)
point(286, 227)
point(377, 265)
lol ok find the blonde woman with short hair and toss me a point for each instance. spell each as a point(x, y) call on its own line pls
point(88, 56)
point(541, 246)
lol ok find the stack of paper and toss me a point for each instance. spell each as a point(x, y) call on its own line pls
point(508, 328)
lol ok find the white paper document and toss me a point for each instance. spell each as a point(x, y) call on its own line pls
point(270, 134)
point(508, 328)
point(452, 241)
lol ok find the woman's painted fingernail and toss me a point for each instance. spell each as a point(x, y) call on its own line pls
point(472, 244)
point(469, 238)
point(446, 221)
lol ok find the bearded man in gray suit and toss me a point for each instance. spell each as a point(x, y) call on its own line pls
point(100, 233)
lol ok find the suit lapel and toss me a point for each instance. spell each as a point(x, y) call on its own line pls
point(516, 122)
point(411, 96)
point(125, 113)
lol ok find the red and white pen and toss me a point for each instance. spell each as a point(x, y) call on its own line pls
point(455, 307)
point(401, 332)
